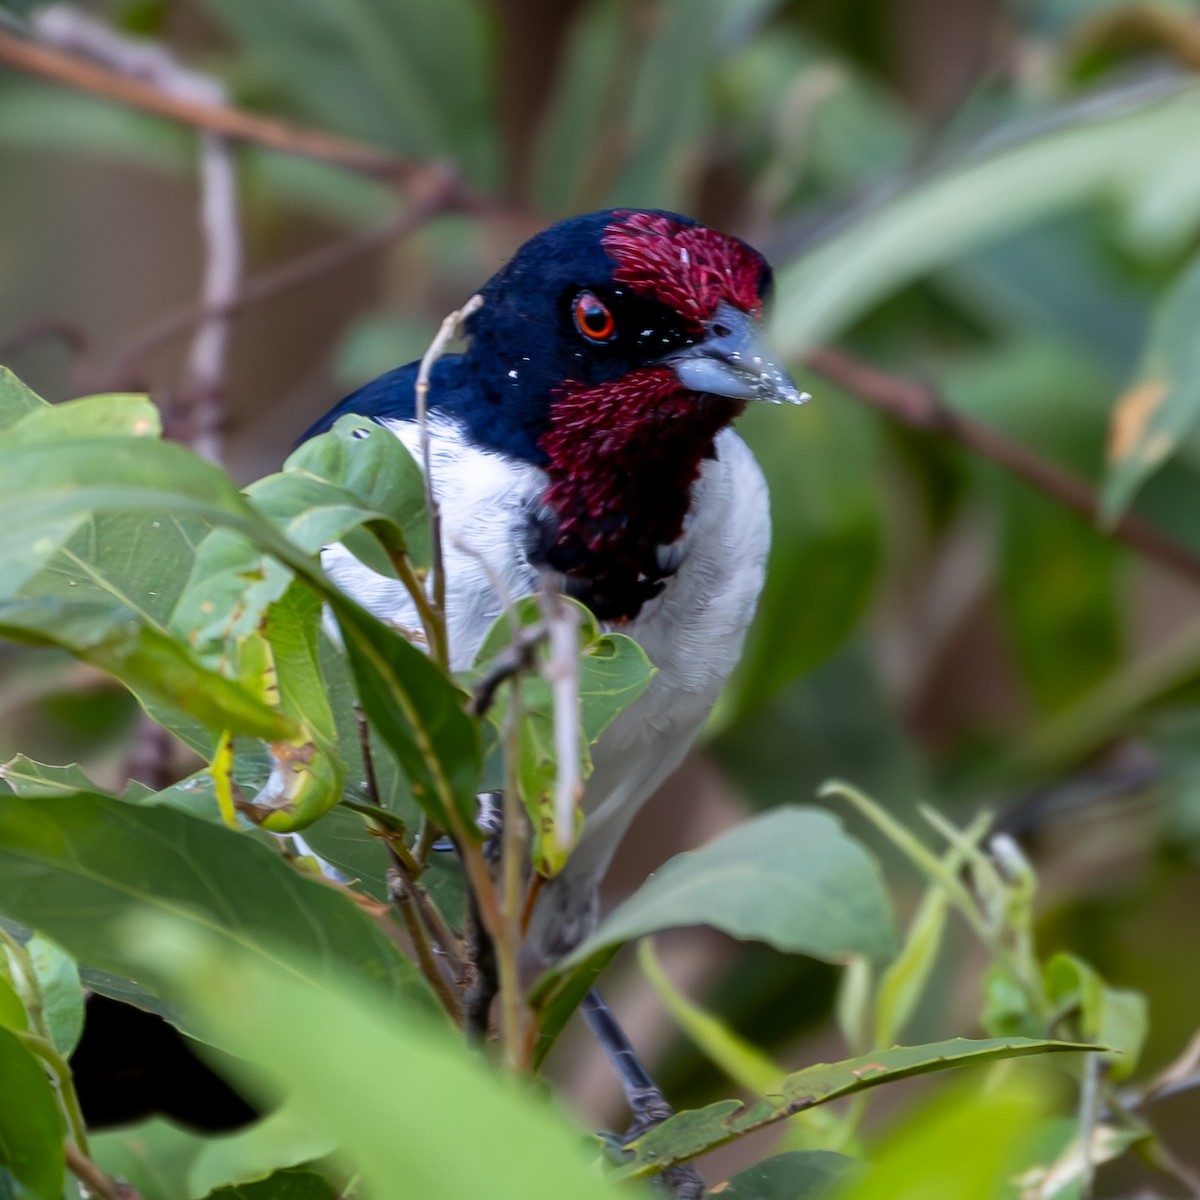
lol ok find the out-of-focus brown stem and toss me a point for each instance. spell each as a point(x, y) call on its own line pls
point(95, 1180)
point(918, 405)
point(442, 195)
point(68, 69)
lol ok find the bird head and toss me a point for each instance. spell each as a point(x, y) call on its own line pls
point(612, 312)
point(610, 351)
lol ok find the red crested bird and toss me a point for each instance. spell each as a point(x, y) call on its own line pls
point(586, 429)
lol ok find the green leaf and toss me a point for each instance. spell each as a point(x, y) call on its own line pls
point(967, 1143)
point(418, 714)
point(358, 1080)
point(12, 1010)
point(74, 867)
point(795, 1175)
point(282, 1185)
point(1067, 1176)
point(60, 993)
point(164, 1162)
point(120, 415)
point(155, 666)
point(31, 779)
point(229, 589)
point(613, 672)
point(308, 772)
point(1061, 161)
point(16, 400)
point(31, 1128)
point(1163, 406)
point(415, 709)
point(373, 466)
point(688, 1134)
point(1115, 1017)
point(1007, 1010)
point(557, 999)
point(791, 878)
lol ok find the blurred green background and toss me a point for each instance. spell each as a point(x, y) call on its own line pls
point(998, 197)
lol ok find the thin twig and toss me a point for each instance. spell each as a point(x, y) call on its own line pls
point(204, 382)
point(512, 660)
point(407, 908)
point(919, 406)
point(406, 864)
point(67, 68)
point(432, 625)
point(512, 862)
point(562, 673)
point(200, 418)
point(442, 195)
point(96, 1181)
point(45, 327)
point(445, 335)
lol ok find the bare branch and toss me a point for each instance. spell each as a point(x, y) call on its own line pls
point(442, 195)
point(202, 405)
point(94, 1180)
point(67, 68)
point(445, 335)
point(919, 406)
point(562, 673)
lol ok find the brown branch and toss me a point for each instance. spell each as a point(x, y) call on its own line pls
point(198, 417)
point(40, 328)
point(442, 196)
point(94, 1180)
point(222, 119)
point(918, 405)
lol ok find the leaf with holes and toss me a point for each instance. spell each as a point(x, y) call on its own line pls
point(688, 1134)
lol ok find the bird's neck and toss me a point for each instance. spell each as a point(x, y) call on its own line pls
point(621, 460)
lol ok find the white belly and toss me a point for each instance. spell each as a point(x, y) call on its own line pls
point(692, 632)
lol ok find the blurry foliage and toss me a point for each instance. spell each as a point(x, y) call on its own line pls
point(1003, 199)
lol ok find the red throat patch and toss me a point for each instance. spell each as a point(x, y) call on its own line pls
point(689, 267)
point(622, 459)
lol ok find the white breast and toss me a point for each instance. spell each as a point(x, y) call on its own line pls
point(692, 632)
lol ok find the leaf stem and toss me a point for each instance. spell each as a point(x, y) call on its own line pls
point(96, 1181)
point(448, 331)
point(63, 1083)
point(426, 959)
point(432, 619)
point(513, 855)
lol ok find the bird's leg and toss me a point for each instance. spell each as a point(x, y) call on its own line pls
point(644, 1097)
point(480, 950)
point(482, 955)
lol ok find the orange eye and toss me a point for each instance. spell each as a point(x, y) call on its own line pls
point(592, 318)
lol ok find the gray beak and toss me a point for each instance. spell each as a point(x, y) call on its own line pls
point(733, 361)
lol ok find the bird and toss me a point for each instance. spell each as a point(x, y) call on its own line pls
point(586, 430)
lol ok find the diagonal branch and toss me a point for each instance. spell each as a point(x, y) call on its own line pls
point(919, 406)
point(68, 69)
point(441, 196)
